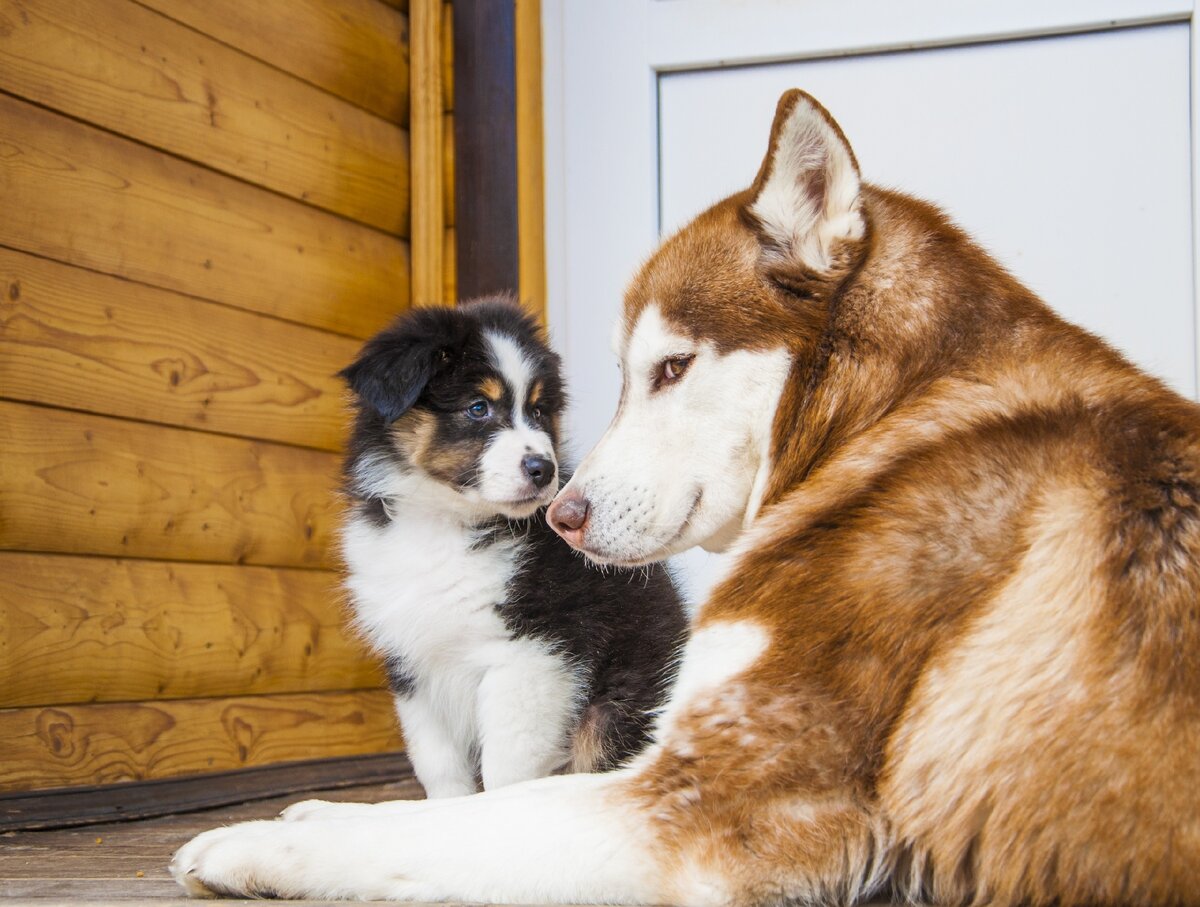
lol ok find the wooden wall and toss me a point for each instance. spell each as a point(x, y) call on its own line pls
point(206, 208)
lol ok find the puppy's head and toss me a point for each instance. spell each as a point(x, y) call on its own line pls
point(462, 404)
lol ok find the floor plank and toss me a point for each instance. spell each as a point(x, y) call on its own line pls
point(100, 864)
point(127, 861)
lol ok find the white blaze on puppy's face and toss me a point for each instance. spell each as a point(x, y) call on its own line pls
point(685, 459)
point(503, 478)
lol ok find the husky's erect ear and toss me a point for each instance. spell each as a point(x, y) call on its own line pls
point(391, 372)
point(805, 198)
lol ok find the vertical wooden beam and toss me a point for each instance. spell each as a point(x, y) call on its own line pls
point(531, 257)
point(425, 125)
point(485, 147)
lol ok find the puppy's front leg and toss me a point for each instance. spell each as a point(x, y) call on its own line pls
point(525, 709)
point(566, 839)
point(439, 751)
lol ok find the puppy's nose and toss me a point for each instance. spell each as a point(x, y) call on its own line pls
point(568, 517)
point(539, 469)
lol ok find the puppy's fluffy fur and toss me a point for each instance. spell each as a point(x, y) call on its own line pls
point(508, 655)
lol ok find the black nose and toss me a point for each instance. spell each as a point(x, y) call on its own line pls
point(539, 469)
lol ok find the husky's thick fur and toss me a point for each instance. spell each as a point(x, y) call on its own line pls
point(958, 652)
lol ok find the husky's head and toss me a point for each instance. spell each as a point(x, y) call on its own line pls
point(712, 328)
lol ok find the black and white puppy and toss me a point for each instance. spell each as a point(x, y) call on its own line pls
point(509, 656)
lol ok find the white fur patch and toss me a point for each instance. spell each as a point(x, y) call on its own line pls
point(715, 654)
point(502, 478)
point(685, 464)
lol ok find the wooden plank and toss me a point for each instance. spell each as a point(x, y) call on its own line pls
point(75, 338)
point(139, 74)
point(448, 170)
point(531, 255)
point(355, 49)
point(112, 742)
point(448, 56)
point(428, 231)
point(65, 807)
point(83, 484)
point(89, 629)
point(82, 196)
point(449, 272)
point(485, 152)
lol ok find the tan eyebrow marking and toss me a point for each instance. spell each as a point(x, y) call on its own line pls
point(491, 388)
point(535, 393)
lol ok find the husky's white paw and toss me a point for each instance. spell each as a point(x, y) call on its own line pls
point(302, 859)
point(242, 860)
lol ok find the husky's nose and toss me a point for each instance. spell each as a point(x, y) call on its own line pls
point(539, 469)
point(568, 517)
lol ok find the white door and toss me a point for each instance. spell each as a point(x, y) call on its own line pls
point(1058, 133)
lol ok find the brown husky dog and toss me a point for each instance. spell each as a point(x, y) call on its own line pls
point(958, 651)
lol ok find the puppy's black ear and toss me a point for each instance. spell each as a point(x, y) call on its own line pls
point(391, 372)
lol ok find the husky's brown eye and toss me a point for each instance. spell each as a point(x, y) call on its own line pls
point(671, 370)
point(536, 412)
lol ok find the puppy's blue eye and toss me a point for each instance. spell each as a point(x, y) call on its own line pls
point(479, 410)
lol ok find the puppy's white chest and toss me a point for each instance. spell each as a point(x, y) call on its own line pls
point(422, 590)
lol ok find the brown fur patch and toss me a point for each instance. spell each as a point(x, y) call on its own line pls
point(587, 745)
point(492, 388)
point(413, 432)
point(452, 462)
point(535, 393)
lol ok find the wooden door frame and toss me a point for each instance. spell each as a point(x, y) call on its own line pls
point(495, 46)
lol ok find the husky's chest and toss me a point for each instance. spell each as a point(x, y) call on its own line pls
point(424, 590)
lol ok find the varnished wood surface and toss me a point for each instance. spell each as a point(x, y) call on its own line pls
point(531, 256)
point(104, 743)
point(449, 252)
point(204, 207)
point(75, 194)
point(448, 56)
point(427, 151)
point(87, 629)
point(127, 861)
point(74, 338)
point(76, 483)
point(139, 74)
point(448, 169)
point(449, 270)
point(355, 49)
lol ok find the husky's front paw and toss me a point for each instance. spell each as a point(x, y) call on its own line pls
point(245, 860)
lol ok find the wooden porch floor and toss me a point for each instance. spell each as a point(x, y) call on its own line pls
point(126, 862)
